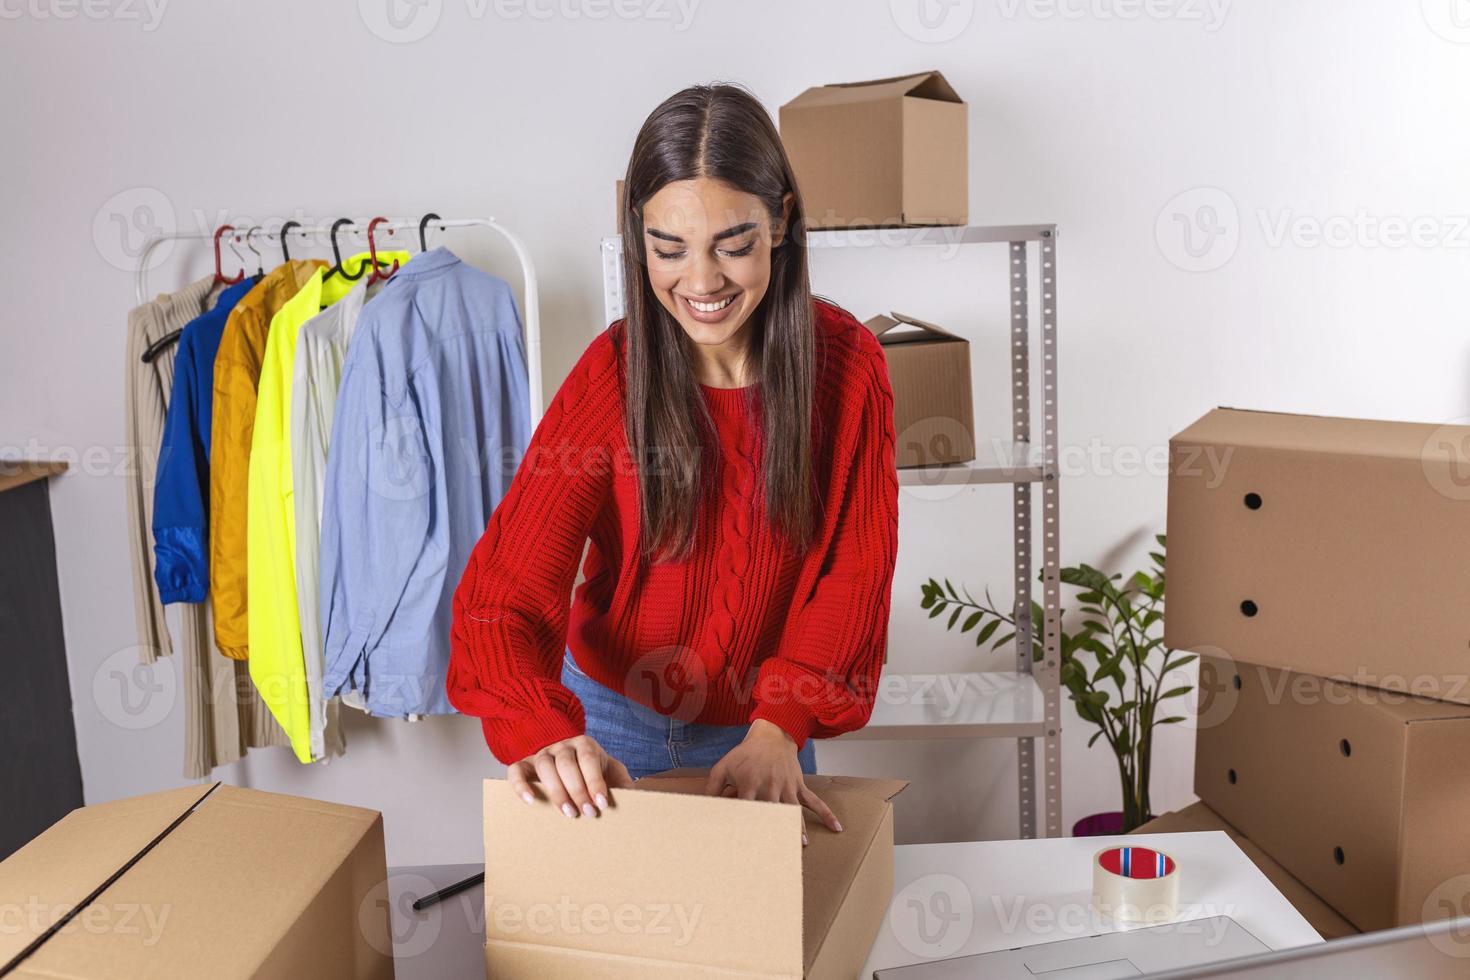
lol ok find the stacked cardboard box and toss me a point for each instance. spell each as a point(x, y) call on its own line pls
point(1319, 567)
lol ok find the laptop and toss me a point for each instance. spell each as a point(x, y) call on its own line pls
point(1109, 956)
point(1434, 951)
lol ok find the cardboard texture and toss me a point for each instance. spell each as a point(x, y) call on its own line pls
point(1198, 817)
point(1359, 793)
point(671, 883)
point(929, 370)
point(205, 880)
point(618, 206)
point(887, 152)
point(1329, 546)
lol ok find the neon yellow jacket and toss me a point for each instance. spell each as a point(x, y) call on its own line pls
point(277, 666)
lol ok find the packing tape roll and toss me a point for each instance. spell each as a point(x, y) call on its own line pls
point(1135, 884)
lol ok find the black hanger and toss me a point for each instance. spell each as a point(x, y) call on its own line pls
point(285, 246)
point(423, 230)
point(337, 269)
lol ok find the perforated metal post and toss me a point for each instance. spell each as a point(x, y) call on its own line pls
point(1051, 540)
point(612, 279)
point(1021, 510)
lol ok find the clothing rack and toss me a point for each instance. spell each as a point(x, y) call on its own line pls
point(323, 234)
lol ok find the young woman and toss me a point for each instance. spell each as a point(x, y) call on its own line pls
point(728, 447)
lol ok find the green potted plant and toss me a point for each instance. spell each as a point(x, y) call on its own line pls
point(1114, 666)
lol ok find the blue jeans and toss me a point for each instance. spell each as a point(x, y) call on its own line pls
point(648, 742)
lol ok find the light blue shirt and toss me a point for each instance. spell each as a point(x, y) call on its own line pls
point(432, 420)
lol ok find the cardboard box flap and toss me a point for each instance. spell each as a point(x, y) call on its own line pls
point(913, 329)
point(828, 865)
point(929, 85)
point(726, 892)
point(66, 864)
point(1323, 434)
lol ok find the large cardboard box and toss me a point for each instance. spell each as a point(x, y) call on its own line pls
point(929, 371)
point(203, 881)
point(1199, 817)
point(1337, 547)
point(1360, 793)
point(669, 883)
point(887, 152)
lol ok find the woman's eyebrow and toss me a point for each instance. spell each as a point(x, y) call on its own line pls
point(730, 232)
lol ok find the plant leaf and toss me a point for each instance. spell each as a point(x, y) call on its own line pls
point(971, 620)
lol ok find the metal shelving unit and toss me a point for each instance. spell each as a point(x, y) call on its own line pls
point(1024, 704)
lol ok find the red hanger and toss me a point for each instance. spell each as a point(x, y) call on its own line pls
point(219, 275)
point(378, 274)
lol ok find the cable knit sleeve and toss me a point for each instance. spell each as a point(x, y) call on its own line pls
point(823, 678)
point(512, 605)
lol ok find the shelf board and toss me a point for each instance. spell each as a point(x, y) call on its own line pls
point(998, 461)
point(944, 235)
point(990, 704)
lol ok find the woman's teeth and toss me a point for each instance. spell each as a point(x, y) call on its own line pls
point(710, 307)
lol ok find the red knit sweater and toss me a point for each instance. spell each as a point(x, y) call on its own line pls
point(746, 628)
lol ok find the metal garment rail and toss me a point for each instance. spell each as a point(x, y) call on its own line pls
point(1025, 704)
point(323, 235)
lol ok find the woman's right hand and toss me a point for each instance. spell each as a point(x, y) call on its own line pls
point(575, 773)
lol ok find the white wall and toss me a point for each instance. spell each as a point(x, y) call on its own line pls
point(1348, 113)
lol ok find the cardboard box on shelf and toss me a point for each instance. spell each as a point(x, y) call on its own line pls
point(670, 883)
point(887, 152)
point(1361, 794)
point(1198, 817)
point(929, 369)
point(1329, 546)
point(206, 880)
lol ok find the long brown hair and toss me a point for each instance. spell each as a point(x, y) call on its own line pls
point(722, 132)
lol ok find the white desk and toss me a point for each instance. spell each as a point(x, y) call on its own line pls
point(957, 899)
point(974, 898)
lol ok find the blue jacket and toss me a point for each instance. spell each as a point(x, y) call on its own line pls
point(432, 419)
point(181, 486)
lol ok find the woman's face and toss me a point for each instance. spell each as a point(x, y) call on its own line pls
point(709, 255)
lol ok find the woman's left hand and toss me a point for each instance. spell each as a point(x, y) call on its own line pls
point(764, 767)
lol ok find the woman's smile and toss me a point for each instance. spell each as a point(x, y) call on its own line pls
point(709, 310)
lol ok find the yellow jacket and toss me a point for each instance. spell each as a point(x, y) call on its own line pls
point(236, 374)
point(277, 665)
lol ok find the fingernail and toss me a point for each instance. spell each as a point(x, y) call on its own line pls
point(528, 797)
point(568, 809)
point(601, 802)
point(589, 809)
point(803, 838)
point(836, 823)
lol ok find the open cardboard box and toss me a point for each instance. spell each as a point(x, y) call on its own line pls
point(202, 881)
point(671, 883)
point(886, 152)
point(929, 370)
